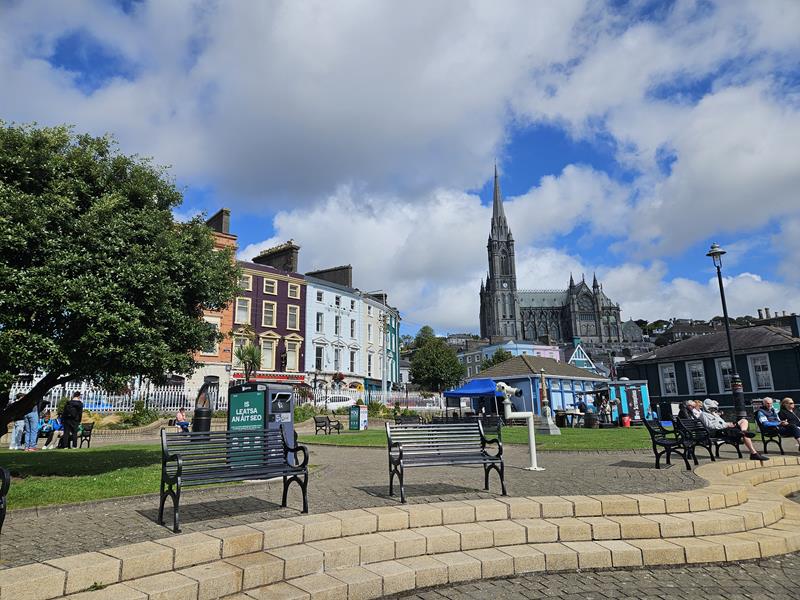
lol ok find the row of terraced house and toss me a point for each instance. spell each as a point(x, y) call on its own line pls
point(313, 328)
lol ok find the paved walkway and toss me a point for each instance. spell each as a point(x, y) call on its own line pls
point(342, 478)
point(776, 577)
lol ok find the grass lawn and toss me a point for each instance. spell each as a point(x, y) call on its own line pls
point(64, 476)
point(570, 439)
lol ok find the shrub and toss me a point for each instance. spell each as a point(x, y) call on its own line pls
point(141, 415)
point(359, 402)
point(303, 412)
point(375, 409)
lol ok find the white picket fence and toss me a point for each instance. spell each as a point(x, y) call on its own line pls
point(169, 398)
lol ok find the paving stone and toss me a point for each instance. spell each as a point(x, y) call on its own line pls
point(361, 583)
point(422, 515)
point(752, 519)
point(603, 528)
point(634, 526)
point(558, 557)
point(440, 539)
point(166, 586)
point(142, 559)
point(374, 547)
point(572, 529)
point(338, 553)
point(356, 521)
point(649, 505)
point(670, 526)
point(31, 582)
point(427, 569)
point(591, 555)
point(321, 587)
point(614, 504)
point(584, 506)
point(460, 566)
point(714, 523)
point(539, 531)
point(396, 576)
point(553, 506)
point(507, 533)
point(521, 508)
point(456, 512)
point(737, 548)
point(280, 532)
point(239, 539)
point(193, 548)
point(488, 510)
point(494, 563)
point(389, 517)
point(319, 527)
point(622, 553)
point(674, 502)
point(791, 538)
point(407, 543)
point(526, 558)
point(87, 569)
point(278, 591)
point(299, 560)
point(119, 591)
point(215, 580)
point(258, 569)
point(698, 550)
point(767, 545)
point(474, 535)
point(659, 552)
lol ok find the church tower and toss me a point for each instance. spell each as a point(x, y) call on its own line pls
point(499, 311)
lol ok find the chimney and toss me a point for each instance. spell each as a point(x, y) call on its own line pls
point(220, 221)
point(340, 275)
point(760, 314)
point(766, 312)
point(784, 313)
point(282, 257)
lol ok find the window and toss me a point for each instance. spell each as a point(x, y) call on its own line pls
point(337, 300)
point(294, 290)
point(246, 282)
point(270, 287)
point(760, 374)
point(238, 342)
point(267, 355)
point(369, 331)
point(320, 322)
point(318, 358)
point(292, 355)
point(242, 311)
point(724, 375)
point(369, 310)
point(669, 383)
point(268, 314)
point(469, 371)
point(352, 304)
point(337, 325)
point(292, 317)
point(469, 358)
point(352, 361)
point(337, 359)
point(320, 297)
point(213, 348)
point(352, 328)
point(477, 369)
point(369, 364)
point(697, 377)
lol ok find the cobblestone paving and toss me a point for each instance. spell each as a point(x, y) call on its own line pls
point(777, 577)
point(342, 478)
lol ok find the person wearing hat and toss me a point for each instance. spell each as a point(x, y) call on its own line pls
point(718, 426)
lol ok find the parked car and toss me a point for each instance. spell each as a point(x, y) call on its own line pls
point(336, 401)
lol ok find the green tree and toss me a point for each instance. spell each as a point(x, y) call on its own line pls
point(406, 342)
point(435, 366)
point(249, 357)
point(500, 355)
point(424, 335)
point(97, 279)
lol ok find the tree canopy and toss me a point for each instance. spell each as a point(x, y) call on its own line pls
point(435, 366)
point(424, 335)
point(500, 355)
point(97, 279)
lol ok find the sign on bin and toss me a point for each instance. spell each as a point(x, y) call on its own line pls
point(358, 418)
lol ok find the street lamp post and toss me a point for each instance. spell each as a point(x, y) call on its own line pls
point(737, 389)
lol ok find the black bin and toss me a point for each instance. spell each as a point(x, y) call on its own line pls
point(590, 420)
point(561, 418)
point(201, 420)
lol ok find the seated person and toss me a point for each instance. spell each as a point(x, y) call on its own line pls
point(689, 410)
point(181, 420)
point(51, 429)
point(581, 406)
point(767, 417)
point(716, 425)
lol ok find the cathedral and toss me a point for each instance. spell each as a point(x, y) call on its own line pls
point(548, 316)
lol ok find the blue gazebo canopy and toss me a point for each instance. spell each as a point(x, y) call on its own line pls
point(476, 387)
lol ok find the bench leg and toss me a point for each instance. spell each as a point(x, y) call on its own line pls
point(2, 512)
point(173, 491)
point(303, 483)
point(487, 467)
point(398, 471)
point(659, 454)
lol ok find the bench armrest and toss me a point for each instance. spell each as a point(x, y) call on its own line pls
point(485, 442)
point(399, 457)
point(178, 467)
point(295, 449)
point(332, 421)
point(5, 481)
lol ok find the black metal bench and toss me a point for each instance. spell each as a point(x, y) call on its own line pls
point(326, 425)
point(452, 444)
point(86, 435)
point(5, 483)
point(694, 434)
point(770, 435)
point(203, 458)
point(408, 420)
point(670, 441)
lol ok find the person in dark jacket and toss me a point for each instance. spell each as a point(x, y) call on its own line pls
point(71, 420)
point(790, 419)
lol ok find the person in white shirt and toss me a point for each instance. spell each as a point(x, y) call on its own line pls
point(718, 426)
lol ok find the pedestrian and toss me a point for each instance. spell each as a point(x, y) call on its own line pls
point(718, 427)
point(32, 429)
point(17, 440)
point(71, 419)
point(181, 420)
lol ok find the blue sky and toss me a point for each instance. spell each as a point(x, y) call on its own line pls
point(629, 135)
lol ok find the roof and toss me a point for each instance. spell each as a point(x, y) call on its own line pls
point(541, 298)
point(527, 365)
point(745, 340)
point(483, 386)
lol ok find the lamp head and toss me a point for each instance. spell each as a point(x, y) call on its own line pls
point(716, 254)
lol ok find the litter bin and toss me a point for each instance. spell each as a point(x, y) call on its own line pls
point(201, 421)
point(590, 420)
point(561, 418)
point(624, 420)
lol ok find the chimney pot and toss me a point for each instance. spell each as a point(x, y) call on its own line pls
point(766, 312)
point(760, 314)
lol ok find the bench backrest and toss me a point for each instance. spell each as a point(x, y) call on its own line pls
point(207, 450)
point(87, 429)
point(321, 420)
point(692, 429)
point(407, 419)
point(656, 430)
point(441, 438)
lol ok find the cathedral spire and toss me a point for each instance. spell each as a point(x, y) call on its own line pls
point(499, 223)
point(571, 280)
point(594, 282)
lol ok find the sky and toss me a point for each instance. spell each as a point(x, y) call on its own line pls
point(628, 136)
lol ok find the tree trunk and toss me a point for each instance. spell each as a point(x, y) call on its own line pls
point(16, 410)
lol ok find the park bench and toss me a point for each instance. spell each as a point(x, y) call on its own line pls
point(694, 434)
point(203, 458)
point(449, 444)
point(325, 424)
point(5, 483)
point(769, 435)
point(86, 435)
point(669, 441)
point(408, 420)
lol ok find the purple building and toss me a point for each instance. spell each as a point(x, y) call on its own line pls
point(271, 306)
